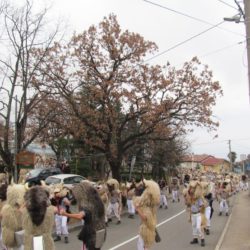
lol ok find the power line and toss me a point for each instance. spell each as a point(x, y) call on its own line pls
point(207, 143)
point(191, 17)
point(183, 42)
point(236, 144)
point(178, 12)
point(222, 141)
point(229, 5)
point(221, 49)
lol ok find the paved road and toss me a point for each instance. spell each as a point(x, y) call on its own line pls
point(173, 226)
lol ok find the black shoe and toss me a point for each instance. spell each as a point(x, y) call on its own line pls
point(207, 231)
point(118, 222)
point(178, 200)
point(160, 206)
point(106, 223)
point(220, 213)
point(58, 238)
point(109, 220)
point(66, 240)
point(226, 214)
point(194, 241)
point(202, 242)
point(172, 200)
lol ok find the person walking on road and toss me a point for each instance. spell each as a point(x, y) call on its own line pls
point(163, 188)
point(60, 201)
point(197, 209)
point(223, 196)
point(146, 206)
point(175, 190)
point(92, 213)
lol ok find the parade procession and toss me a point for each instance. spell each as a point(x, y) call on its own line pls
point(38, 217)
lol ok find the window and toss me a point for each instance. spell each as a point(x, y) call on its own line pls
point(78, 179)
point(52, 180)
point(69, 180)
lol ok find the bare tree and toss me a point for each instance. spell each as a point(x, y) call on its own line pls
point(23, 32)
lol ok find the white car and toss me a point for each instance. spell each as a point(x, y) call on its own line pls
point(68, 180)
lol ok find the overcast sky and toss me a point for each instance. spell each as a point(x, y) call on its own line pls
point(222, 48)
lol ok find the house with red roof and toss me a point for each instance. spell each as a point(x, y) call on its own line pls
point(206, 163)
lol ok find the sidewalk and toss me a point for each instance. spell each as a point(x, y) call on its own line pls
point(236, 235)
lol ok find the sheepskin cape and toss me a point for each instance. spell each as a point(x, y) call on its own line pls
point(11, 216)
point(45, 229)
point(148, 203)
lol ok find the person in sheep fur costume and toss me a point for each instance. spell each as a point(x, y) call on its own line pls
point(38, 218)
point(146, 205)
point(91, 210)
point(12, 216)
point(196, 203)
point(3, 197)
point(115, 200)
point(103, 192)
point(207, 194)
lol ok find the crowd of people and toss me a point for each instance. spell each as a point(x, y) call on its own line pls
point(29, 215)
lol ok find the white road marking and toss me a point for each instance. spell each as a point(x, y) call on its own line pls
point(135, 237)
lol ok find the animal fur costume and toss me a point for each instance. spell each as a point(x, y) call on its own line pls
point(89, 201)
point(195, 193)
point(3, 197)
point(148, 203)
point(103, 193)
point(113, 184)
point(11, 214)
point(115, 199)
point(198, 193)
point(38, 218)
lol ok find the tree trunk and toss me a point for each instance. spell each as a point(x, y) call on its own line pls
point(115, 169)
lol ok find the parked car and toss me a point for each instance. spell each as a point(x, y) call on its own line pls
point(35, 176)
point(68, 180)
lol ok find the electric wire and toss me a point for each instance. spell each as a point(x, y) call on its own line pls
point(221, 141)
point(191, 17)
point(183, 42)
point(242, 146)
point(221, 49)
point(229, 5)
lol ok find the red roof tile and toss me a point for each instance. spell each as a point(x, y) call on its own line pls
point(194, 158)
point(212, 161)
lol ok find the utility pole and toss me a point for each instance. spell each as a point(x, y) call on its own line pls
point(247, 24)
point(237, 19)
point(15, 142)
point(230, 154)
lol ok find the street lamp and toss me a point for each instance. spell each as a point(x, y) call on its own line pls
point(236, 18)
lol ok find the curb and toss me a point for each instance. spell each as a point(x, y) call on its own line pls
point(218, 246)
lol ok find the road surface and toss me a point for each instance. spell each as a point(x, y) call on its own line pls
point(173, 226)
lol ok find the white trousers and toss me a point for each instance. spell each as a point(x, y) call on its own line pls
point(140, 244)
point(224, 206)
point(131, 207)
point(2, 247)
point(18, 248)
point(163, 201)
point(207, 215)
point(175, 195)
point(196, 226)
point(61, 225)
point(113, 208)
